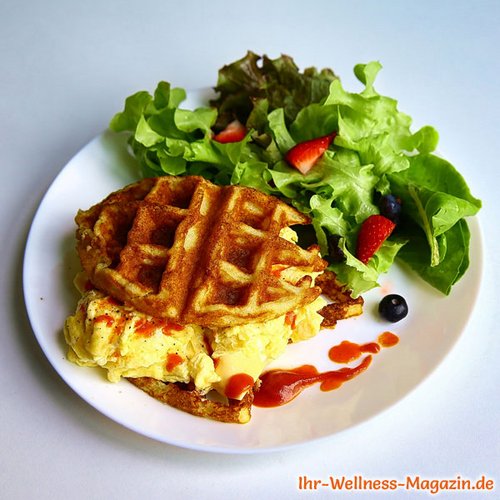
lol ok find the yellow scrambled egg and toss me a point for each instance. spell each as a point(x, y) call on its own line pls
point(128, 343)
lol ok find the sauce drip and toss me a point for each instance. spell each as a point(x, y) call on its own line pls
point(147, 327)
point(347, 351)
point(173, 360)
point(388, 339)
point(237, 384)
point(279, 387)
point(290, 319)
point(105, 318)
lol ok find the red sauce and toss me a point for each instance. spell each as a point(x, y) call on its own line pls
point(237, 384)
point(290, 319)
point(169, 327)
point(388, 339)
point(347, 351)
point(147, 327)
point(279, 387)
point(173, 360)
point(104, 318)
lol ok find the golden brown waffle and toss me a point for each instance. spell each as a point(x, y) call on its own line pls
point(342, 305)
point(185, 249)
point(191, 401)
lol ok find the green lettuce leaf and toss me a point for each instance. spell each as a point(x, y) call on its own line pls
point(254, 82)
point(374, 153)
point(435, 197)
point(167, 139)
point(450, 269)
point(363, 277)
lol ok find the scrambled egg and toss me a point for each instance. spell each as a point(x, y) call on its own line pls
point(128, 343)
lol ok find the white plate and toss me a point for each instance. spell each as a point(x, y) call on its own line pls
point(433, 326)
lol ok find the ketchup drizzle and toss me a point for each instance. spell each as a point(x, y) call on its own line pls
point(279, 387)
point(147, 327)
point(347, 351)
point(388, 339)
point(237, 384)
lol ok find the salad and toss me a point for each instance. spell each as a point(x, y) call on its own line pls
point(373, 188)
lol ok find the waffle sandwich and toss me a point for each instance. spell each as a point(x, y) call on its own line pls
point(184, 249)
point(189, 286)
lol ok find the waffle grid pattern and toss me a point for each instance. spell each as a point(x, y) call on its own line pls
point(185, 249)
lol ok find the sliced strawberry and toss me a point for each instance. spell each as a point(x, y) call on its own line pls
point(374, 231)
point(304, 155)
point(234, 132)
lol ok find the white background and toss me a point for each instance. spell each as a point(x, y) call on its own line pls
point(65, 69)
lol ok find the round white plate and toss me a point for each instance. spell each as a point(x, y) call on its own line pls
point(428, 333)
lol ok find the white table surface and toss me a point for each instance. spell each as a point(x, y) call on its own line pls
point(66, 68)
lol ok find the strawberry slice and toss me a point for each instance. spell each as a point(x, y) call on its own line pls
point(234, 132)
point(374, 231)
point(304, 155)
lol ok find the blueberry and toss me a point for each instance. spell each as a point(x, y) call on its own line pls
point(390, 207)
point(393, 308)
point(335, 253)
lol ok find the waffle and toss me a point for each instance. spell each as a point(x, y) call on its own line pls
point(342, 305)
point(185, 249)
point(191, 401)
